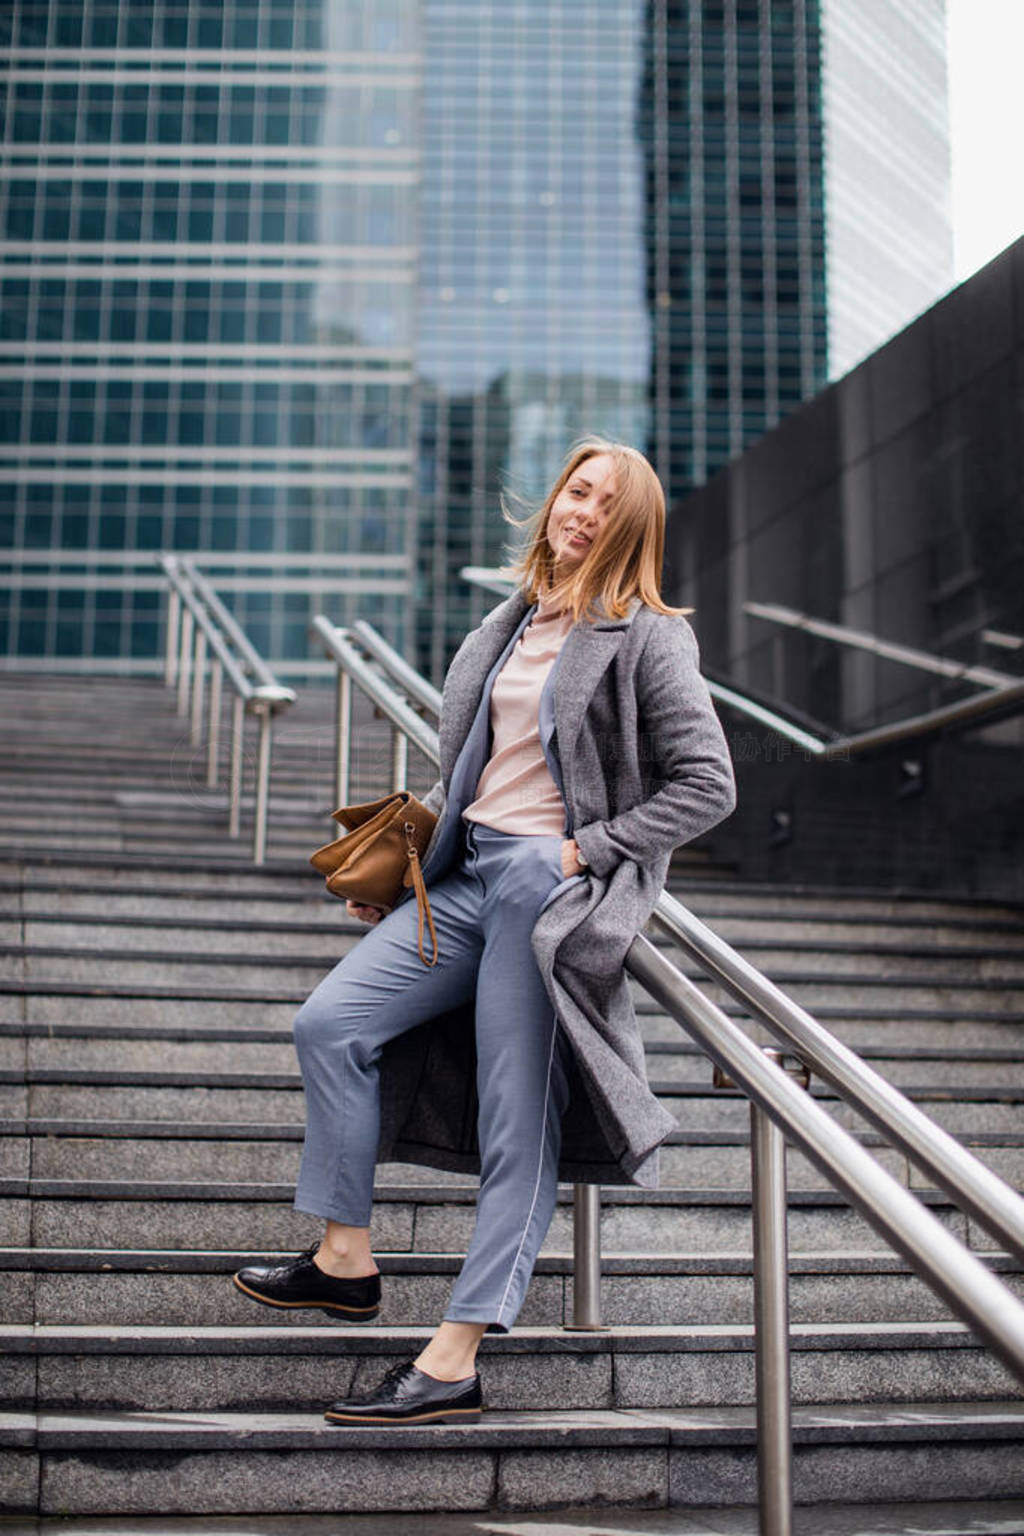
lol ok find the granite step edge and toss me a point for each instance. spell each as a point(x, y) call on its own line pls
point(917, 949)
point(722, 1426)
point(220, 1262)
point(154, 1339)
point(92, 1190)
point(670, 1088)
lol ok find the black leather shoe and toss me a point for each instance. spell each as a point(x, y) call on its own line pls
point(409, 1396)
point(299, 1283)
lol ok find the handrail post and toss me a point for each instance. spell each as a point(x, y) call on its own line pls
point(343, 737)
point(399, 758)
point(771, 1324)
point(235, 795)
point(213, 726)
point(201, 633)
point(198, 685)
point(259, 831)
point(171, 639)
point(586, 1259)
point(265, 703)
point(184, 660)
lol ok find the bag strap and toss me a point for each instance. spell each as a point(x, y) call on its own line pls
point(422, 899)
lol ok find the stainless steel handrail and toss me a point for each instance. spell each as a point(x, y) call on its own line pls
point(891, 650)
point(970, 1289)
point(993, 704)
point(779, 1110)
point(398, 669)
point(229, 624)
point(963, 1176)
point(197, 623)
point(814, 746)
point(407, 724)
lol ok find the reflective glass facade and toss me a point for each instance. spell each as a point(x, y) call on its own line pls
point(732, 131)
point(623, 231)
point(208, 216)
point(886, 108)
point(533, 321)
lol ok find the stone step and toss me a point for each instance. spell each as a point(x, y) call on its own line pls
point(709, 899)
point(137, 920)
point(306, 909)
point(303, 911)
point(171, 771)
point(866, 1031)
point(922, 1067)
point(235, 1464)
point(160, 1369)
point(269, 892)
point(203, 836)
point(718, 899)
point(167, 814)
point(677, 1060)
point(73, 1012)
point(184, 874)
point(187, 1288)
point(146, 847)
point(77, 1155)
point(687, 1090)
point(49, 933)
point(41, 967)
point(414, 1218)
point(273, 1100)
point(170, 1150)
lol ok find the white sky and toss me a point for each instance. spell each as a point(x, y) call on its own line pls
point(986, 87)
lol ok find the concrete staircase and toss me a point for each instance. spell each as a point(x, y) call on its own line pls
point(151, 1126)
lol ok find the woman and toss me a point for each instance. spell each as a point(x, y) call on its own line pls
point(578, 748)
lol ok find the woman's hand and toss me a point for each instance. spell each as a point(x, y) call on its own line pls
point(570, 858)
point(363, 914)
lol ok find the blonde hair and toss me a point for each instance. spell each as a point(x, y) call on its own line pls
point(625, 559)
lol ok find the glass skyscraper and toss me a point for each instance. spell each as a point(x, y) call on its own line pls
point(533, 320)
point(207, 317)
point(887, 174)
point(318, 278)
point(732, 131)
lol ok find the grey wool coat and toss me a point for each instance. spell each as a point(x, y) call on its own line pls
point(634, 743)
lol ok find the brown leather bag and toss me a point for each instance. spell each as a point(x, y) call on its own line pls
point(379, 856)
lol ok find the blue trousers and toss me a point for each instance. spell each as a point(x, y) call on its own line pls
point(484, 911)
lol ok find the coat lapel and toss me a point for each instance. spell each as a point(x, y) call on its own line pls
point(468, 673)
point(587, 654)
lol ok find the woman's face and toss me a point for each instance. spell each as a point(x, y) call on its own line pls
point(580, 511)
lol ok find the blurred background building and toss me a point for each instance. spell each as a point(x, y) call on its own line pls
point(311, 282)
point(887, 185)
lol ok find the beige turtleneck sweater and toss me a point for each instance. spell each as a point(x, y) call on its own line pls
point(515, 792)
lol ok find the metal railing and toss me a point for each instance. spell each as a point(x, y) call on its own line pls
point(342, 645)
point(891, 650)
point(780, 1110)
point(201, 631)
point(1003, 691)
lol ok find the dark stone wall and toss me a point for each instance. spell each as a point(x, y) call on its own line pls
point(945, 817)
point(893, 503)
